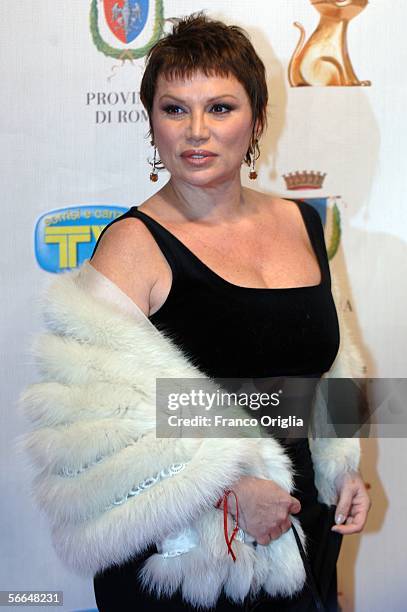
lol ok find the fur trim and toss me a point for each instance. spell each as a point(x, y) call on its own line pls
point(103, 473)
point(332, 457)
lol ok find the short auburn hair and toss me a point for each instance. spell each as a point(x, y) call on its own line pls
point(199, 43)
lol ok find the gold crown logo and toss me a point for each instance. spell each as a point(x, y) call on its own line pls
point(304, 180)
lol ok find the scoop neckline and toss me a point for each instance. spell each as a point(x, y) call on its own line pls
point(222, 281)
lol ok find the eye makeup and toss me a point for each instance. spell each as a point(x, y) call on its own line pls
point(169, 108)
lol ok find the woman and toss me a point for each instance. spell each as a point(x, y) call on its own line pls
point(205, 278)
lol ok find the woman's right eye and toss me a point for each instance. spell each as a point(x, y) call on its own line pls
point(171, 109)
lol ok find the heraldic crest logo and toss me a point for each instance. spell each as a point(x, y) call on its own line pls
point(126, 20)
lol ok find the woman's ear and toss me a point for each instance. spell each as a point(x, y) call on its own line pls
point(256, 128)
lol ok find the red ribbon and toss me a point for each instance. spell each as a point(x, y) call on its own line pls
point(229, 541)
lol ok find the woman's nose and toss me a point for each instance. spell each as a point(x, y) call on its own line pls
point(198, 128)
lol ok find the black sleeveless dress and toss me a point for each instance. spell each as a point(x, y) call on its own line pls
point(242, 332)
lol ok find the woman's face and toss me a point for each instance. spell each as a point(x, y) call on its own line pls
point(209, 114)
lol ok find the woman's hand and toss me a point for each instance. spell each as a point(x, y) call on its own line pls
point(264, 508)
point(353, 504)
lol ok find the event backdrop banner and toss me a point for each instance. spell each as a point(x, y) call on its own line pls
point(75, 155)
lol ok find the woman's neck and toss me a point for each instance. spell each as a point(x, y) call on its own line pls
point(210, 204)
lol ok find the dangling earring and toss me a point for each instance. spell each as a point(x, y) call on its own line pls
point(153, 173)
point(253, 173)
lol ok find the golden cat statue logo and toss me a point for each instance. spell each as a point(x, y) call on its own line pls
point(323, 60)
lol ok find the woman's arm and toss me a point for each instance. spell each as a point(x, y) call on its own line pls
point(336, 459)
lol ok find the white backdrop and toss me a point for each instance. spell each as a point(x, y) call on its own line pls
point(61, 148)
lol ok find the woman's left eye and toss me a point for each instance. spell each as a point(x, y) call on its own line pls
point(225, 106)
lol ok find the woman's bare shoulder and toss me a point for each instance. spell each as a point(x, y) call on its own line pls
point(263, 198)
point(273, 204)
point(128, 255)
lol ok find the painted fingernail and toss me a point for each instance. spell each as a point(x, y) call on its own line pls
point(339, 519)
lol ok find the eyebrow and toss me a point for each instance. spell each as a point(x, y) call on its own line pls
point(209, 99)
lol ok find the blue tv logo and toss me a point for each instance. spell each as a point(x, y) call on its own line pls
point(65, 237)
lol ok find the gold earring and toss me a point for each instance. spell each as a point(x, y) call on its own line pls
point(153, 173)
